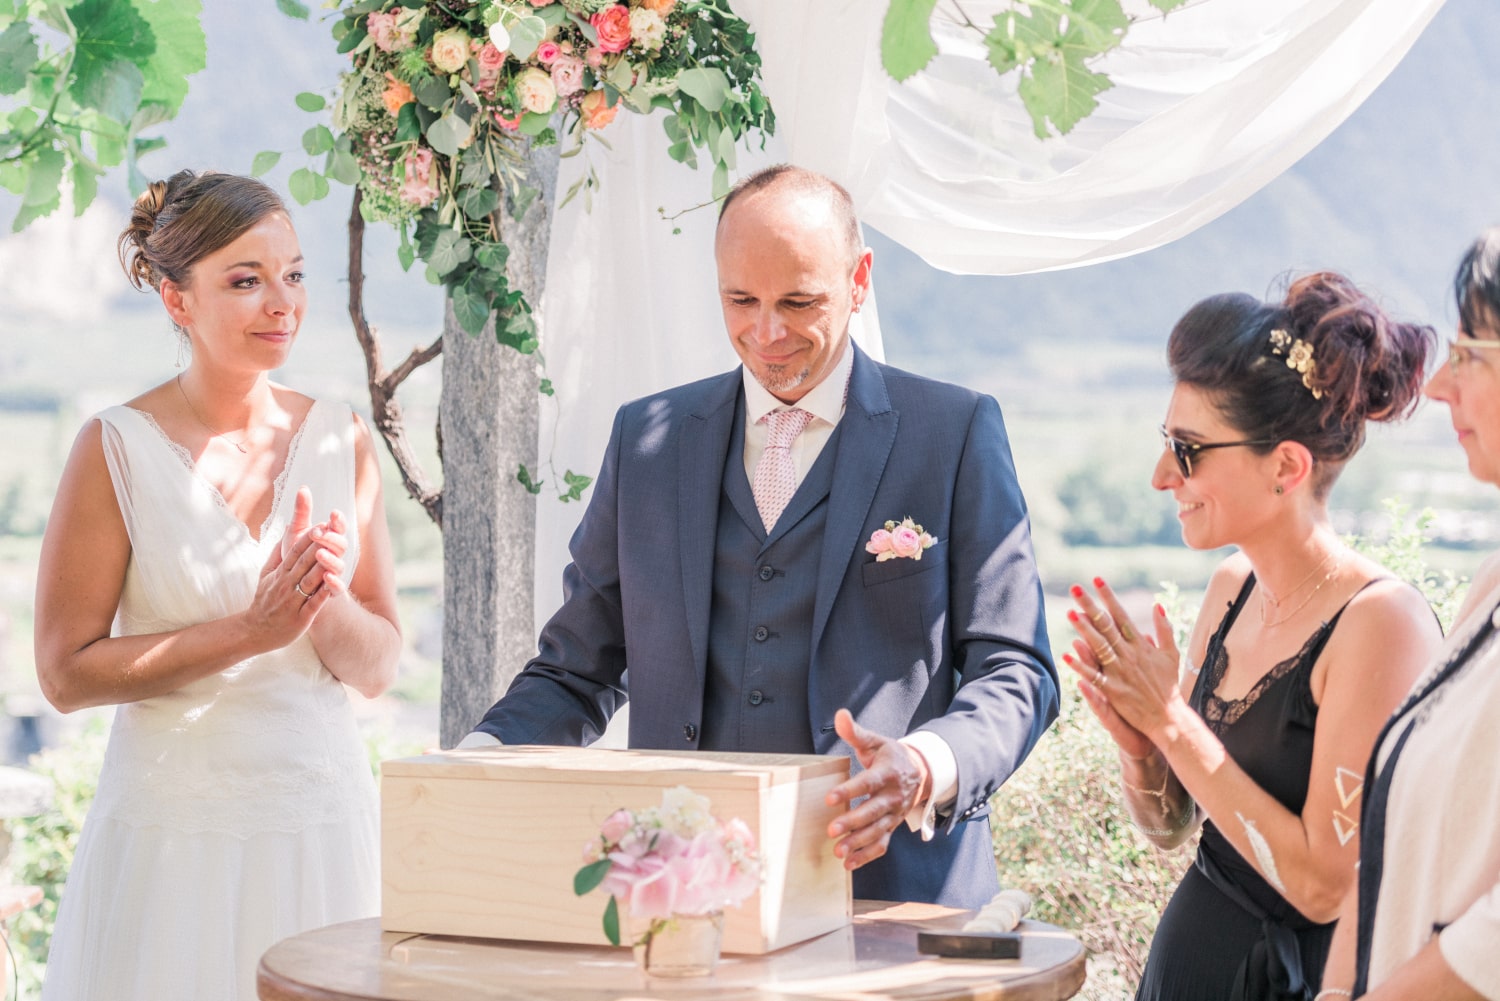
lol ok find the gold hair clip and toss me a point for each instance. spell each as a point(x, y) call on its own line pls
point(1299, 356)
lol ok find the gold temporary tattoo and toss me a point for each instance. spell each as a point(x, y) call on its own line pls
point(1344, 827)
point(1349, 784)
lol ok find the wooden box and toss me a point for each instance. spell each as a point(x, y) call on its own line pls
point(485, 842)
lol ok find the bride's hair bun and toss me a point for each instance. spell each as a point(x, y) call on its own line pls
point(177, 222)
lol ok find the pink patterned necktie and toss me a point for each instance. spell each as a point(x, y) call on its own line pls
point(775, 475)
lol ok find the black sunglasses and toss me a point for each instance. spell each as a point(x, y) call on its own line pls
point(1183, 451)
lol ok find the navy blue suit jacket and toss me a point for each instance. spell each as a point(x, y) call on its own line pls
point(954, 643)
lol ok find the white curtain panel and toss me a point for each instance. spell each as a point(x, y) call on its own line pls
point(1210, 103)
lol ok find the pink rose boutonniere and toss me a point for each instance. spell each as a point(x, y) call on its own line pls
point(904, 539)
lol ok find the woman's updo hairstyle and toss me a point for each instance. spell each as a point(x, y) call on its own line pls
point(1311, 369)
point(1476, 286)
point(177, 222)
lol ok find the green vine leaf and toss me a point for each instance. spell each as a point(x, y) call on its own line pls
point(343, 167)
point(469, 309)
point(525, 35)
point(906, 44)
point(308, 101)
point(577, 484)
point(292, 8)
point(113, 89)
point(181, 51)
point(449, 250)
point(1166, 6)
point(478, 203)
point(264, 161)
point(523, 476)
point(109, 31)
point(18, 54)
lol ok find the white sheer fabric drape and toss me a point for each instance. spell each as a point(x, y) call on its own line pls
point(1210, 103)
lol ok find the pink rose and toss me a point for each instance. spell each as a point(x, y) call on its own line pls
point(880, 542)
point(419, 188)
point(596, 110)
point(594, 57)
point(508, 124)
point(906, 542)
point(662, 7)
point(615, 826)
point(490, 58)
point(546, 52)
point(544, 3)
point(613, 26)
point(382, 28)
point(567, 75)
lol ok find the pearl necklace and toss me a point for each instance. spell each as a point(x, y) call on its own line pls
point(206, 426)
point(1267, 599)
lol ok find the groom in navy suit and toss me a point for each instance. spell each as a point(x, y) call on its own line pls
point(721, 573)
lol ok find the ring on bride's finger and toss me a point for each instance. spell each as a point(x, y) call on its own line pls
point(1126, 633)
point(1101, 681)
point(1099, 619)
point(298, 588)
point(1107, 658)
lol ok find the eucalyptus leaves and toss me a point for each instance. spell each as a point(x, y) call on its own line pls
point(443, 100)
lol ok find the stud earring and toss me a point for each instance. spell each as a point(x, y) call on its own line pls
point(1279, 490)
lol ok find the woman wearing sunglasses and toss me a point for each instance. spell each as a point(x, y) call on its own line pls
point(1301, 650)
point(1425, 921)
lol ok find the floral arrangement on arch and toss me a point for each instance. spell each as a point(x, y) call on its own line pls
point(662, 862)
point(444, 98)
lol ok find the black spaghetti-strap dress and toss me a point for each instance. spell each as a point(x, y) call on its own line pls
point(1227, 934)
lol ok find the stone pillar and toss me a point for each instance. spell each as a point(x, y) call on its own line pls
point(489, 415)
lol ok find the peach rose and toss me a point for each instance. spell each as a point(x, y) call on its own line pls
point(450, 50)
point(535, 91)
point(647, 29)
point(613, 26)
point(546, 52)
point(419, 188)
point(594, 57)
point(397, 94)
point(596, 110)
point(567, 75)
point(662, 7)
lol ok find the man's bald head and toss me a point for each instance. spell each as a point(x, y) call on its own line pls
point(784, 181)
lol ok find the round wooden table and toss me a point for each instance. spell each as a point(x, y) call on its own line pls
point(873, 958)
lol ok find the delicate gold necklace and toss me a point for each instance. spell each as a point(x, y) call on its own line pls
point(206, 426)
point(1266, 599)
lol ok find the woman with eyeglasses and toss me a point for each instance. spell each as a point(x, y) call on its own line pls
point(1301, 649)
point(1425, 920)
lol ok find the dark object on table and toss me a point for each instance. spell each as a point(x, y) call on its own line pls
point(970, 944)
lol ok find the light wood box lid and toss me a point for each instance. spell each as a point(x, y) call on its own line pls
point(698, 769)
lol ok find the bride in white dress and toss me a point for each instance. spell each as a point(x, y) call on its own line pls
point(216, 564)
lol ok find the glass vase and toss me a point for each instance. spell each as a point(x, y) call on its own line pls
point(684, 945)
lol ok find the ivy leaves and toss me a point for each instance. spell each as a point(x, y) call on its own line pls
point(1049, 42)
point(91, 77)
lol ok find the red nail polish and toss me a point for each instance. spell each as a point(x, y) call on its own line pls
point(1161, 611)
point(1076, 591)
point(1072, 615)
point(1098, 581)
point(1068, 659)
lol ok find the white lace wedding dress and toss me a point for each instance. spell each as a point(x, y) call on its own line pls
point(240, 808)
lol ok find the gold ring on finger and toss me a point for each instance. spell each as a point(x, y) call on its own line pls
point(298, 588)
point(1126, 633)
point(1107, 658)
point(1099, 619)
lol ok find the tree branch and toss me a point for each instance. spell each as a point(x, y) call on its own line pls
point(382, 384)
